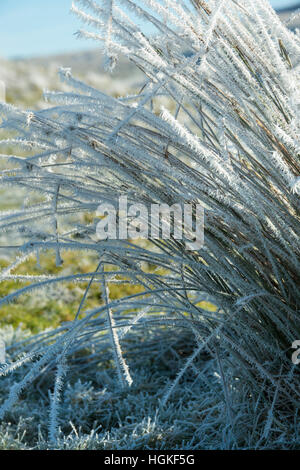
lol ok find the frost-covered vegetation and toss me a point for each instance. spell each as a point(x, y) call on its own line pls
point(156, 367)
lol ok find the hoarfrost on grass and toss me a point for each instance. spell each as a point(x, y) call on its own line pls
point(227, 138)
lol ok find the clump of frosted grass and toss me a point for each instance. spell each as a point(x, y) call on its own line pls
point(228, 138)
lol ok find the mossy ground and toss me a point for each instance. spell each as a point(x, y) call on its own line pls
point(48, 309)
point(43, 309)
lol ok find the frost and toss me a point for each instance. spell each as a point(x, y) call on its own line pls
point(215, 122)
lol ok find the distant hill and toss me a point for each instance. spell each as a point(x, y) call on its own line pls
point(25, 79)
point(289, 9)
point(81, 62)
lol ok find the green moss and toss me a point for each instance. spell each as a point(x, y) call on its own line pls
point(36, 311)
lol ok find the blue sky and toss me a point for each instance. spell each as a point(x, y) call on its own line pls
point(283, 3)
point(41, 27)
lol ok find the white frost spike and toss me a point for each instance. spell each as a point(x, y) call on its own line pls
point(2, 352)
point(296, 185)
point(30, 116)
point(122, 368)
point(223, 140)
point(108, 19)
